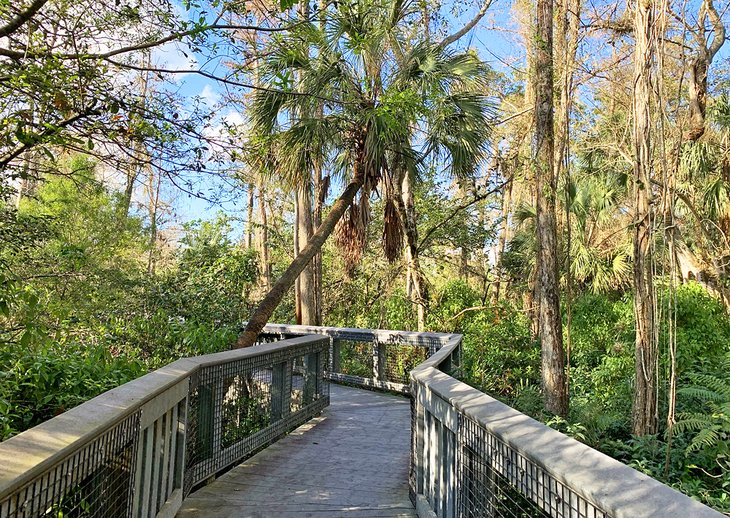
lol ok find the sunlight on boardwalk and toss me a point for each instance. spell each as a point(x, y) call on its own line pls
point(351, 461)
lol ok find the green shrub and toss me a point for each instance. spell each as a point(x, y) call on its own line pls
point(41, 382)
point(703, 331)
point(500, 357)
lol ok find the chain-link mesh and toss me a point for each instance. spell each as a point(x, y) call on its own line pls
point(93, 481)
point(240, 406)
point(356, 358)
point(495, 480)
point(400, 359)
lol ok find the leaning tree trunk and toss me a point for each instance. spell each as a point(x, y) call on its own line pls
point(272, 299)
point(645, 418)
point(550, 329)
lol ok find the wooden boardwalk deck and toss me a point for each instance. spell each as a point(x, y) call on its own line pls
point(351, 461)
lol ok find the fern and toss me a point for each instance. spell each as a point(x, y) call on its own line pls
point(692, 422)
point(710, 429)
point(706, 438)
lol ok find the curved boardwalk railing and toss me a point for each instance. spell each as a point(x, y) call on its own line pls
point(473, 456)
point(139, 449)
point(377, 358)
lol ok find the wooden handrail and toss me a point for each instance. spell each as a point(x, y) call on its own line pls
point(539, 462)
point(42, 459)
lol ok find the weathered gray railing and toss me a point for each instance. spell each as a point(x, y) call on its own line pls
point(137, 450)
point(368, 357)
point(473, 456)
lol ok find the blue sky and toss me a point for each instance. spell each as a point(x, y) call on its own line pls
point(495, 38)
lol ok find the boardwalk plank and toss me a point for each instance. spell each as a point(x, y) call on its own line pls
point(352, 461)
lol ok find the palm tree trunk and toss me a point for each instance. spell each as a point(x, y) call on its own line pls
point(550, 329)
point(645, 418)
point(272, 299)
point(307, 295)
point(297, 287)
point(319, 196)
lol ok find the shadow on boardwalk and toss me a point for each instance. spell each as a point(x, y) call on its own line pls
point(351, 461)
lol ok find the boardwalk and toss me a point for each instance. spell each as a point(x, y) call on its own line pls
point(351, 461)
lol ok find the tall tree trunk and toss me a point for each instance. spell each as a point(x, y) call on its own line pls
point(272, 299)
point(502, 240)
point(464, 263)
point(699, 67)
point(550, 329)
point(568, 27)
point(265, 278)
point(29, 177)
point(136, 166)
point(418, 290)
point(645, 418)
point(249, 216)
point(155, 182)
point(297, 286)
point(307, 288)
point(567, 36)
point(319, 198)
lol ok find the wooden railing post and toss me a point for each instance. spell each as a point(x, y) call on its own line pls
point(336, 347)
point(420, 439)
point(160, 454)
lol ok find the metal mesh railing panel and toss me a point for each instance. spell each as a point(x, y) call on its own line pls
point(400, 359)
point(95, 481)
point(368, 357)
point(356, 358)
point(181, 433)
point(494, 480)
point(240, 406)
point(297, 383)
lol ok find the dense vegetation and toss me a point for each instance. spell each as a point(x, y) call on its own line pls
point(565, 205)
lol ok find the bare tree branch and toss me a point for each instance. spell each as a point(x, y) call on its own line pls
point(177, 36)
point(719, 38)
point(16, 23)
point(448, 40)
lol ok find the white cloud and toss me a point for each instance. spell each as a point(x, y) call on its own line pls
point(210, 97)
point(174, 56)
point(234, 118)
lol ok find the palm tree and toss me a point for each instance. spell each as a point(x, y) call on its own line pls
point(360, 92)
